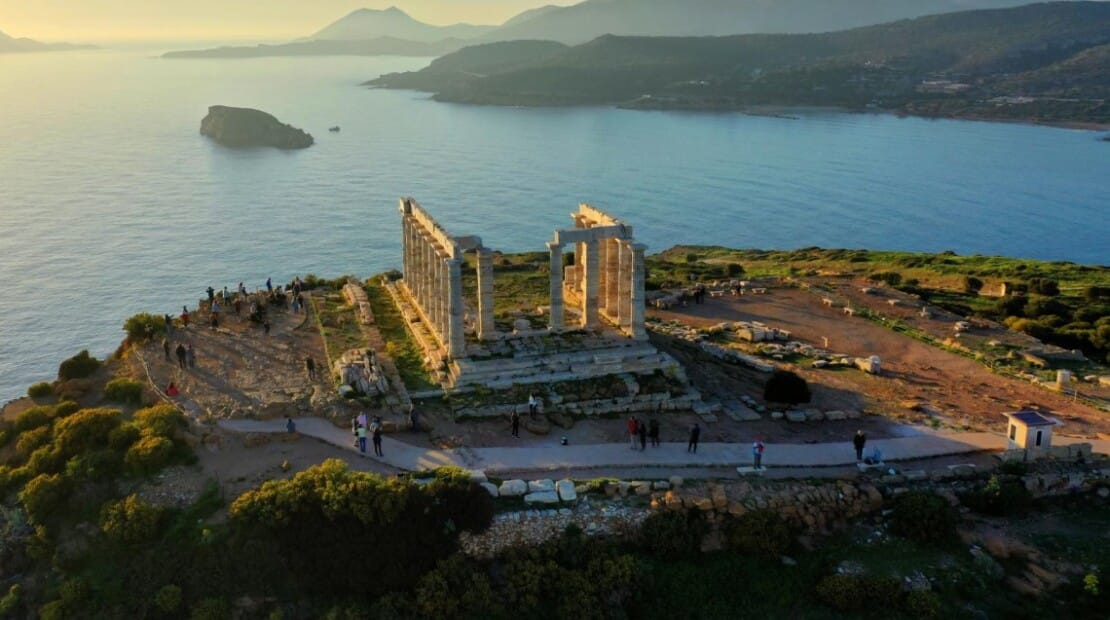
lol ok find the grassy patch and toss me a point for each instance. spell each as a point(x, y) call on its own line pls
point(400, 344)
point(338, 325)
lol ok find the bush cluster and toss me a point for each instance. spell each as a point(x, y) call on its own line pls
point(124, 390)
point(859, 593)
point(1001, 496)
point(42, 389)
point(78, 367)
point(923, 517)
point(143, 327)
point(761, 533)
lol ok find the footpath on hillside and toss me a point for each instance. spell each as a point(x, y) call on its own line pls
point(615, 455)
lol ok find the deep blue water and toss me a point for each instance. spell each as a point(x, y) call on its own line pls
point(111, 203)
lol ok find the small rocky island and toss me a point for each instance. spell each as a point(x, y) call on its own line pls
point(246, 127)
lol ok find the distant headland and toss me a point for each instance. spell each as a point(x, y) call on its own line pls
point(246, 127)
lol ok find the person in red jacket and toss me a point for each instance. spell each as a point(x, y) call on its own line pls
point(171, 390)
point(633, 431)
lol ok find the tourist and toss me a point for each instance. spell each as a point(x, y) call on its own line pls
point(238, 305)
point(632, 432)
point(184, 316)
point(181, 355)
point(211, 294)
point(242, 290)
point(757, 453)
point(376, 430)
point(191, 355)
point(266, 326)
point(171, 390)
point(166, 348)
point(641, 428)
point(514, 419)
point(653, 432)
point(695, 434)
point(310, 366)
point(290, 427)
point(215, 307)
point(169, 323)
point(215, 323)
point(362, 419)
point(300, 302)
point(361, 432)
point(859, 441)
point(269, 285)
point(533, 405)
point(354, 430)
point(226, 295)
point(414, 418)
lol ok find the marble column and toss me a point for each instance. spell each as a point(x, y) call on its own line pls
point(456, 334)
point(602, 283)
point(639, 331)
point(555, 319)
point(590, 288)
point(624, 287)
point(486, 327)
point(612, 280)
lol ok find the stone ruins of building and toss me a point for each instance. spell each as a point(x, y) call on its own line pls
point(600, 298)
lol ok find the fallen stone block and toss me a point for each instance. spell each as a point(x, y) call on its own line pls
point(835, 416)
point(566, 491)
point(542, 497)
point(513, 488)
point(536, 486)
point(490, 488)
point(795, 416)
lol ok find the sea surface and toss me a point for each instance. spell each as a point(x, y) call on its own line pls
point(111, 203)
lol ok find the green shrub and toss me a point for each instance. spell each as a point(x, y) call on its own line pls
point(130, 520)
point(785, 386)
point(12, 602)
point(162, 420)
point(168, 599)
point(87, 429)
point(849, 593)
point(892, 278)
point(46, 459)
point(66, 408)
point(32, 440)
point(73, 592)
point(149, 454)
point(123, 390)
point(1044, 286)
point(95, 465)
point(1000, 497)
point(122, 437)
point(761, 533)
point(43, 495)
point(78, 367)
point(923, 517)
point(143, 327)
point(33, 418)
point(211, 609)
point(12, 478)
point(923, 604)
point(42, 389)
point(734, 270)
point(1014, 468)
point(54, 610)
point(672, 535)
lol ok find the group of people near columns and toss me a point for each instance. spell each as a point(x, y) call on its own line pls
point(640, 431)
point(360, 429)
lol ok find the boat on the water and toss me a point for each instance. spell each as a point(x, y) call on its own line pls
point(334, 129)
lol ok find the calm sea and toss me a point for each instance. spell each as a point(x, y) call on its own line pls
point(111, 203)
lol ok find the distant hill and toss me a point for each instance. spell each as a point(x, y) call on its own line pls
point(590, 19)
point(11, 45)
point(395, 23)
point(1043, 62)
point(381, 46)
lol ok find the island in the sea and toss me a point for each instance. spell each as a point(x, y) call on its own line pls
point(247, 127)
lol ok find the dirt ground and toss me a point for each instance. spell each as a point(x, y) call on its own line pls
point(936, 383)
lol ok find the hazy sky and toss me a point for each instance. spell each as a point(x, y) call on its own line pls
point(87, 20)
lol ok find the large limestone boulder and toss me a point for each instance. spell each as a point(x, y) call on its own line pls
point(246, 127)
point(565, 489)
point(542, 497)
point(490, 488)
point(795, 416)
point(513, 488)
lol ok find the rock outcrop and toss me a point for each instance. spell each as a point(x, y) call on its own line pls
point(246, 127)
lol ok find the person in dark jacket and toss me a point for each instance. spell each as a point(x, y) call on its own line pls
point(859, 441)
point(695, 434)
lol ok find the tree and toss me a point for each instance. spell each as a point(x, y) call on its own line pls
point(786, 387)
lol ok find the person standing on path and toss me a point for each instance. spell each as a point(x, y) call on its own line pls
point(695, 434)
point(215, 324)
point(533, 405)
point(266, 327)
point(514, 419)
point(653, 432)
point(632, 431)
point(757, 453)
point(211, 294)
point(859, 441)
point(310, 366)
point(181, 354)
point(290, 427)
point(642, 429)
point(269, 285)
point(361, 432)
point(354, 430)
point(166, 347)
point(191, 356)
point(376, 430)
point(184, 316)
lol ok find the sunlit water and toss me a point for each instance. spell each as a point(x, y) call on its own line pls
point(111, 203)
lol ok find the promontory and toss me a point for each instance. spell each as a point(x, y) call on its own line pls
point(246, 127)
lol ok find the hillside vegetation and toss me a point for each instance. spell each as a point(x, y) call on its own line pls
point(1038, 62)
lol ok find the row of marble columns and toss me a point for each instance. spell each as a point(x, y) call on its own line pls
point(433, 277)
point(609, 280)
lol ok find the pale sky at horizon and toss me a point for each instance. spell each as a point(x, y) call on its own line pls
point(104, 20)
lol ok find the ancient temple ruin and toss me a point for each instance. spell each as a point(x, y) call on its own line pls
point(595, 319)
